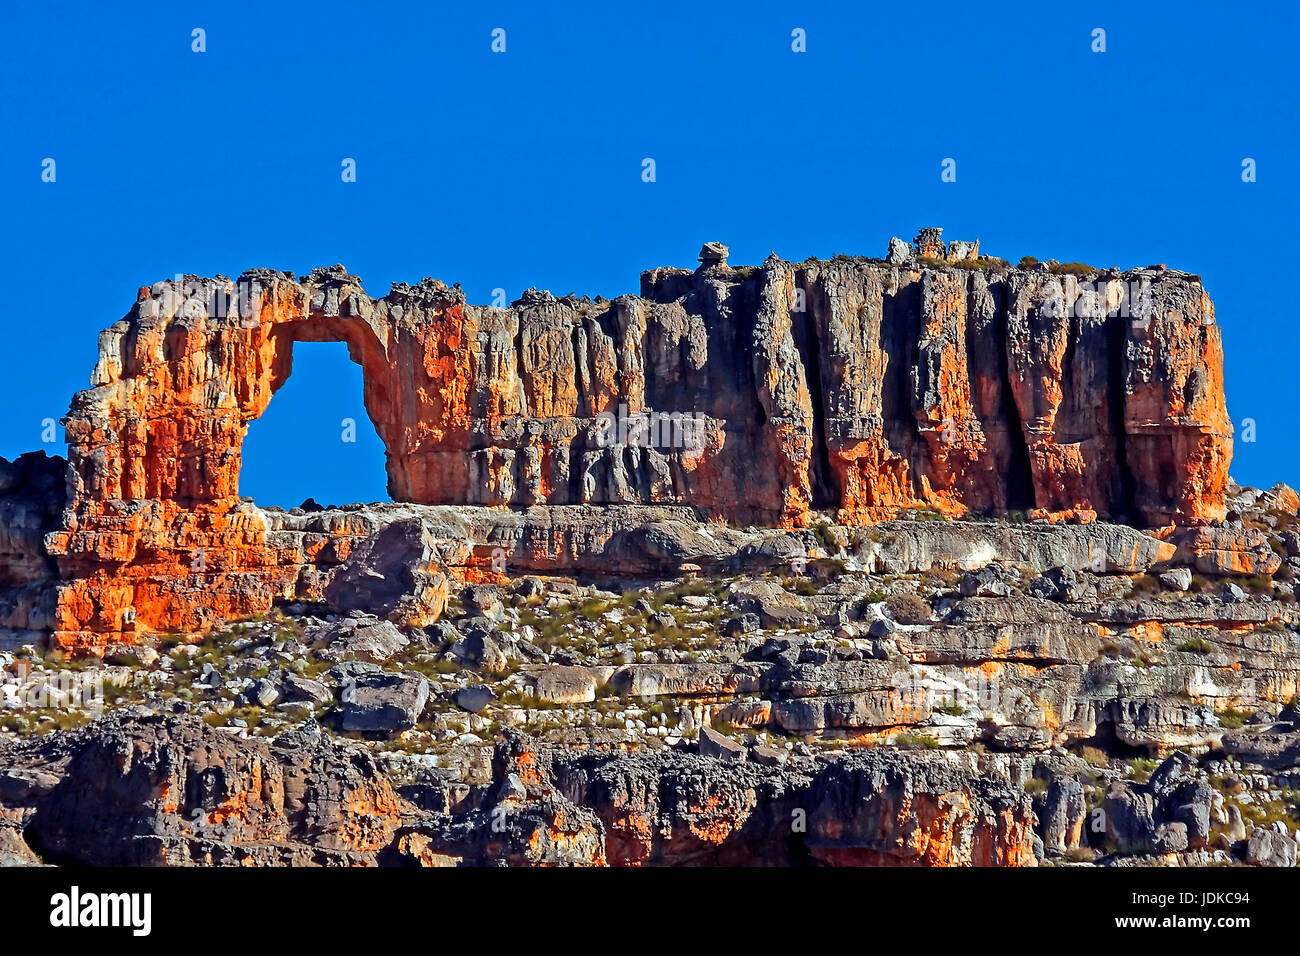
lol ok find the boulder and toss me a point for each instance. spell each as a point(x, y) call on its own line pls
point(358, 638)
point(395, 574)
point(1170, 838)
point(383, 702)
point(1056, 584)
point(1270, 848)
point(774, 606)
point(263, 693)
point(1191, 804)
point(992, 580)
point(719, 746)
point(482, 647)
point(1130, 823)
point(881, 628)
point(1280, 499)
point(482, 600)
point(1063, 816)
point(565, 685)
point(302, 689)
point(473, 698)
point(1176, 579)
point(740, 625)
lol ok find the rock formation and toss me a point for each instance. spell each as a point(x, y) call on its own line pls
point(205, 798)
point(923, 561)
point(861, 389)
point(140, 791)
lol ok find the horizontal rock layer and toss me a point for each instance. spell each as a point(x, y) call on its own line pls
point(853, 384)
point(401, 559)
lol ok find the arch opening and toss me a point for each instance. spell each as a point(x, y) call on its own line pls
point(315, 439)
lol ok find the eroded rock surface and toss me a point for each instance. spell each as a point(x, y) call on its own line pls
point(171, 791)
point(860, 387)
point(153, 791)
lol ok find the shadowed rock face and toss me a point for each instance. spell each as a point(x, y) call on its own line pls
point(153, 791)
point(753, 396)
point(32, 493)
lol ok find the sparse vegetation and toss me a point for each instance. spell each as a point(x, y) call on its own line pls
point(1141, 768)
point(1144, 584)
point(908, 608)
point(1074, 269)
point(1233, 719)
point(1095, 756)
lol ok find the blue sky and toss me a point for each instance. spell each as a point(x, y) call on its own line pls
point(524, 168)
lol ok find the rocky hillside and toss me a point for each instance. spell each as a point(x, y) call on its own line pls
point(912, 693)
point(938, 564)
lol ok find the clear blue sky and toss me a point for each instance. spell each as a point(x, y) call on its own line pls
point(524, 169)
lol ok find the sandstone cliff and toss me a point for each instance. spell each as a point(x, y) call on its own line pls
point(858, 388)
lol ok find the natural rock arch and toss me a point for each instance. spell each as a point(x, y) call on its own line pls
point(883, 384)
point(178, 380)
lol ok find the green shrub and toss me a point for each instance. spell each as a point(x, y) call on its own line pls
point(822, 532)
point(1142, 768)
point(803, 586)
point(1233, 719)
point(1074, 269)
point(593, 608)
point(1095, 756)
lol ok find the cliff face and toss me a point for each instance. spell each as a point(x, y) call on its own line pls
point(757, 396)
point(160, 791)
point(153, 791)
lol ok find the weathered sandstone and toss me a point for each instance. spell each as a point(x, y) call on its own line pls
point(861, 389)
